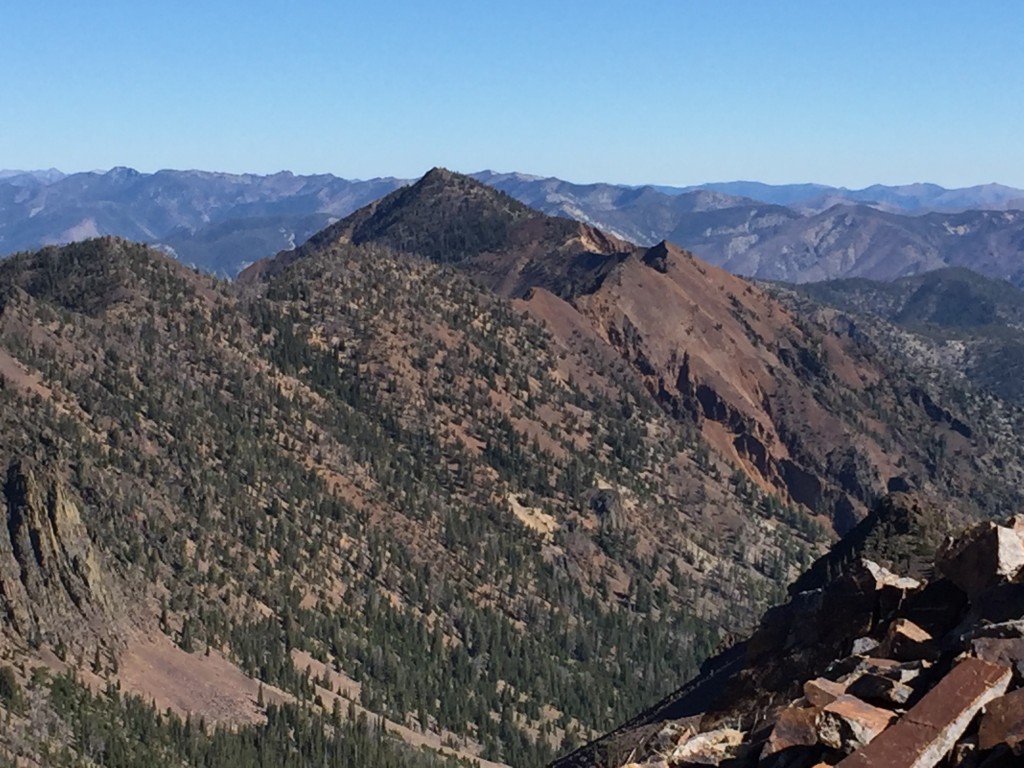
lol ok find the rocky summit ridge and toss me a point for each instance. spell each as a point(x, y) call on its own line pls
point(868, 668)
point(799, 400)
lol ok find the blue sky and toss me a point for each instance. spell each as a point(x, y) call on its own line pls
point(679, 92)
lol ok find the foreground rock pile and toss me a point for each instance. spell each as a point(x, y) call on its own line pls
point(870, 670)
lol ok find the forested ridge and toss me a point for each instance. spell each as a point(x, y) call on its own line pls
point(309, 472)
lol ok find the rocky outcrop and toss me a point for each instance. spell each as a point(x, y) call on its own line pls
point(982, 558)
point(927, 733)
point(864, 668)
point(1003, 723)
point(52, 586)
point(902, 533)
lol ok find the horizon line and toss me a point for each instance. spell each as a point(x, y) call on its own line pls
point(10, 172)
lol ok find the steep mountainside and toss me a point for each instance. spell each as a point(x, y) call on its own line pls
point(800, 404)
point(374, 483)
point(865, 666)
point(976, 324)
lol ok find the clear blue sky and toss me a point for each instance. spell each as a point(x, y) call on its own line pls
point(673, 92)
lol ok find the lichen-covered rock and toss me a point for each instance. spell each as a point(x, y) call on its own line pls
point(849, 723)
point(711, 748)
point(670, 736)
point(1008, 651)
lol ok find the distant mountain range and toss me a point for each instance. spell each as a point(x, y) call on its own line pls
point(795, 243)
point(808, 198)
point(221, 222)
point(215, 219)
point(905, 198)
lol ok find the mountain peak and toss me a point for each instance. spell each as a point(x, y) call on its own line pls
point(122, 173)
point(439, 181)
point(439, 173)
point(445, 216)
point(94, 276)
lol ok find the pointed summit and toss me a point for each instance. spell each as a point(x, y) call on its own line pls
point(451, 218)
point(445, 216)
point(437, 174)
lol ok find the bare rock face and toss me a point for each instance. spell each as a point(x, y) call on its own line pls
point(51, 580)
point(984, 556)
point(849, 723)
point(607, 505)
point(795, 727)
point(821, 692)
point(820, 625)
point(1003, 723)
point(928, 732)
point(906, 641)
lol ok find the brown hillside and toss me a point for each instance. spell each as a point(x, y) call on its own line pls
point(804, 405)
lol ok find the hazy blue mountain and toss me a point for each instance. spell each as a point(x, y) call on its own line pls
point(48, 176)
point(789, 242)
point(801, 232)
point(777, 243)
point(641, 215)
point(906, 198)
point(920, 197)
point(202, 216)
point(777, 194)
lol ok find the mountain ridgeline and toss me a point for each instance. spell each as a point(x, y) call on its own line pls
point(452, 481)
point(781, 395)
point(222, 222)
point(448, 218)
point(974, 324)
